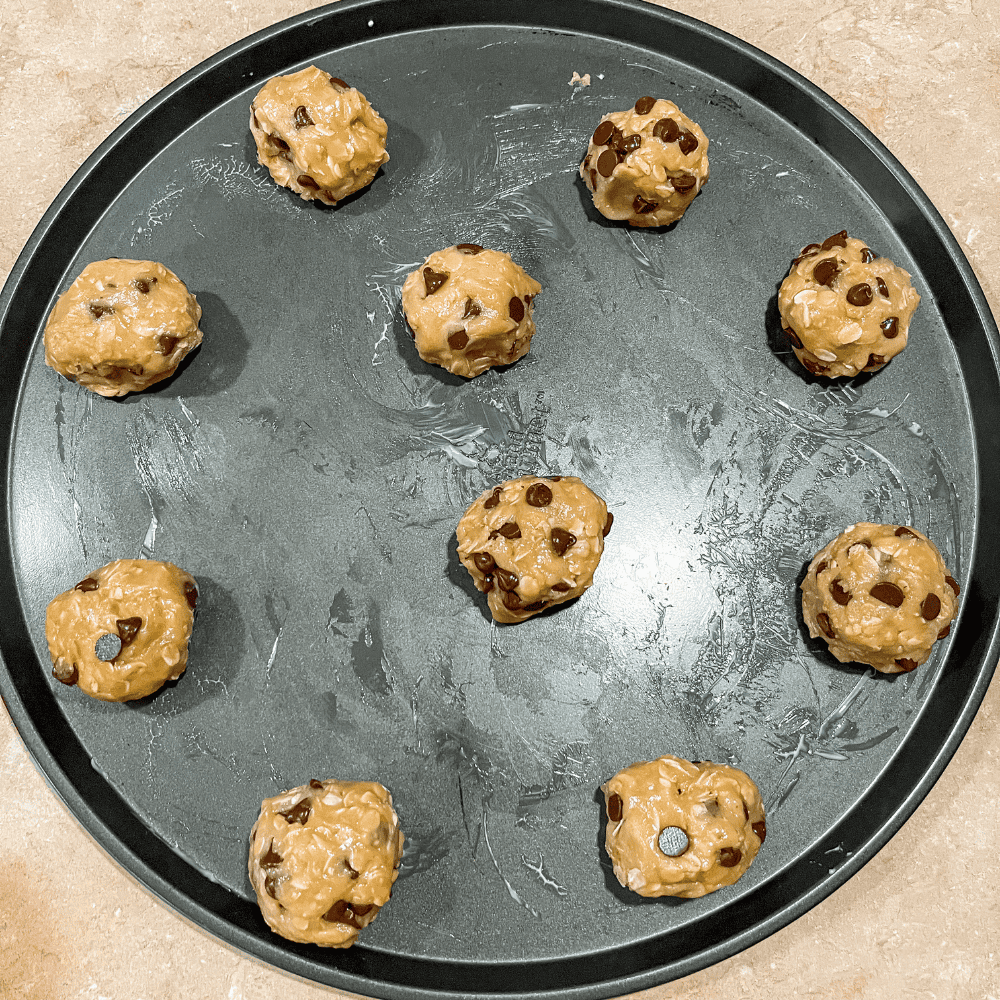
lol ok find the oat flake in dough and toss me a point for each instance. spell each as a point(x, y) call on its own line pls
point(323, 859)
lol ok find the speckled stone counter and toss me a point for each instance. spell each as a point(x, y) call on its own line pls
point(920, 920)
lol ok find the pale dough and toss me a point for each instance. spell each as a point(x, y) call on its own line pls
point(533, 542)
point(879, 594)
point(713, 814)
point(845, 309)
point(647, 164)
point(144, 607)
point(317, 135)
point(470, 309)
point(323, 858)
point(122, 326)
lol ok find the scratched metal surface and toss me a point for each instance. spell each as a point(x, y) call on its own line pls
point(309, 470)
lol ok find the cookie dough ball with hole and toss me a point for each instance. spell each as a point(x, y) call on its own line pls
point(531, 543)
point(470, 309)
point(681, 828)
point(122, 632)
point(323, 858)
point(845, 309)
point(879, 594)
point(122, 326)
point(647, 164)
point(317, 135)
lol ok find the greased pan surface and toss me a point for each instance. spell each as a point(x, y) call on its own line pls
point(309, 470)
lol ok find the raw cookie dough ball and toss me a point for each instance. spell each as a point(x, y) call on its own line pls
point(532, 542)
point(646, 165)
point(681, 828)
point(845, 309)
point(122, 326)
point(317, 135)
point(879, 594)
point(323, 858)
point(122, 631)
point(470, 309)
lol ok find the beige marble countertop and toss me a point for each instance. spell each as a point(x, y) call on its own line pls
point(920, 920)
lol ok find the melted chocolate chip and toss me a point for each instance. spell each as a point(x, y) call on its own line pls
point(890, 328)
point(760, 829)
point(683, 183)
point(165, 344)
point(471, 249)
point(99, 309)
point(516, 309)
point(458, 341)
point(837, 240)
point(511, 601)
point(888, 593)
point(642, 207)
point(562, 540)
point(903, 532)
point(631, 144)
point(906, 664)
point(875, 361)
point(471, 309)
point(306, 181)
point(607, 524)
point(300, 812)
point(65, 672)
point(302, 117)
point(484, 562)
point(688, 142)
point(615, 811)
point(128, 629)
point(860, 294)
point(823, 621)
point(603, 133)
point(953, 583)
point(271, 859)
point(839, 594)
point(822, 566)
point(867, 256)
point(825, 271)
point(506, 579)
point(730, 857)
point(493, 499)
point(190, 594)
point(342, 912)
point(433, 280)
point(930, 608)
point(607, 162)
point(538, 495)
point(87, 584)
point(644, 105)
point(271, 885)
point(666, 130)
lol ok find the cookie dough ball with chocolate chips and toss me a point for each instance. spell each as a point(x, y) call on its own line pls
point(646, 165)
point(531, 543)
point(681, 828)
point(879, 594)
point(122, 326)
point(323, 858)
point(317, 135)
point(122, 632)
point(470, 309)
point(845, 309)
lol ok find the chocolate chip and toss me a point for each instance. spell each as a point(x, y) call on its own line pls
point(837, 240)
point(278, 142)
point(586, 161)
point(304, 180)
point(538, 495)
point(342, 912)
point(822, 566)
point(315, 783)
point(814, 366)
point(631, 144)
point(642, 207)
point(536, 606)
point(493, 499)
point(953, 583)
point(302, 117)
point(190, 594)
point(860, 294)
point(271, 858)
point(362, 908)
point(874, 362)
point(825, 271)
point(593, 178)
point(107, 647)
point(484, 562)
point(165, 344)
point(128, 629)
point(562, 540)
point(730, 857)
point(607, 162)
point(471, 249)
point(271, 885)
point(351, 870)
point(644, 105)
point(471, 309)
point(867, 256)
point(806, 252)
point(760, 829)
point(603, 133)
point(840, 595)
point(433, 280)
point(143, 285)
point(509, 530)
point(888, 593)
point(904, 532)
point(945, 631)
point(516, 309)
point(890, 328)
point(883, 289)
point(300, 812)
point(931, 607)
point(823, 621)
point(87, 584)
point(610, 520)
point(99, 309)
point(688, 142)
point(458, 340)
point(617, 142)
point(793, 337)
point(506, 579)
point(906, 664)
point(746, 811)
point(554, 479)
point(615, 810)
point(666, 130)
point(683, 183)
point(65, 672)
point(337, 82)
point(511, 601)
point(487, 584)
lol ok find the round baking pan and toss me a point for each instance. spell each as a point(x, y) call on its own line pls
point(309, 470)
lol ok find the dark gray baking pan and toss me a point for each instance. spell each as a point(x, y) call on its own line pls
point(309, 469)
